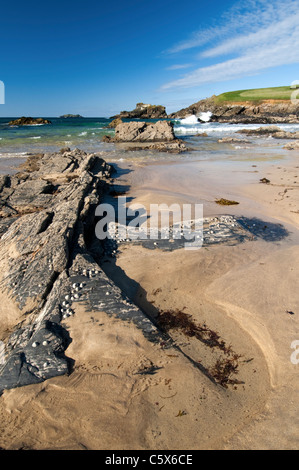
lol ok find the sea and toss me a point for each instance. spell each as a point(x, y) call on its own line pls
point(201, 138)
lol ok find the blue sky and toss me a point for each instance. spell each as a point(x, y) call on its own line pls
point(98, 58)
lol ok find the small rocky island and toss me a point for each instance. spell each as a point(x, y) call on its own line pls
point(29, 121)
point(144, 111)
point(71, 116)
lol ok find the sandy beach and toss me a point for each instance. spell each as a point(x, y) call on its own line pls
point(251, 286)
point(128, 393)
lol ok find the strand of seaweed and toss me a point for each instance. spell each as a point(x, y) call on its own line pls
point(226, 368)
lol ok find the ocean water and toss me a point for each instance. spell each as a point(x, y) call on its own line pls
point(87, 134)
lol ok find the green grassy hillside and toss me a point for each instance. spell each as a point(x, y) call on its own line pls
point(257, 94)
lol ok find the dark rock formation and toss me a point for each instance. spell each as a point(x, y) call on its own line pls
point(265, 112)
point(144, 111)
point(274, 131)
point(47, 221)
point(142, 135)
point(270, 130)
point(28, 121)
point(201, 134)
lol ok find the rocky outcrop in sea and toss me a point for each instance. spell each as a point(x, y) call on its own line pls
point(28, 121)
point(114, 123)
point(143, 111)
point(273, 131)
point(144, 135)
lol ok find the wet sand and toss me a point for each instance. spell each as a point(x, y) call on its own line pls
point(125, 392)
point(10, 165)
point(253, 285)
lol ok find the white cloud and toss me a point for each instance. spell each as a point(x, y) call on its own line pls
point(199, 38)
point(263, 37)
point(179, 66)
point(232, 21)
point(268, 37)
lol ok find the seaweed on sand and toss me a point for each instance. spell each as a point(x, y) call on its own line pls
point(226, 367)
point(226, 202)
point(175, 319)
point(265, 181)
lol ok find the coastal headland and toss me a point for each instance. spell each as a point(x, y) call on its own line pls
point(257, 106)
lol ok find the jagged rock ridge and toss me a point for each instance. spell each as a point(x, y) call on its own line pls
point(47, 222)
